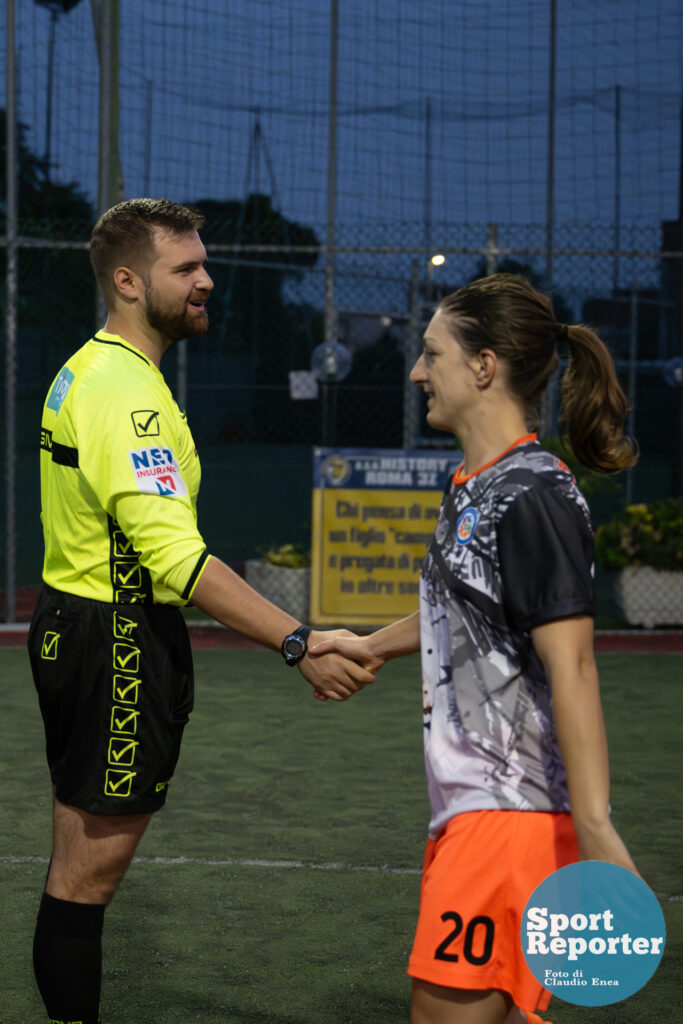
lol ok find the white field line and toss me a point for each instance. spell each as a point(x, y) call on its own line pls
point(241, 862)
point(248, 862)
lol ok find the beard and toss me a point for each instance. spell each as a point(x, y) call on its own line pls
point(174, 324)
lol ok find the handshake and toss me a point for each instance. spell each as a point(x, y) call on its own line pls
point(339, 663)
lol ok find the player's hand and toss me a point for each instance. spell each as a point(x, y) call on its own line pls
point(343, 641)
point(334, 673)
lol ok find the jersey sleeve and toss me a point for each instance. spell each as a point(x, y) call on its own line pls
point(130, 455)
point(169, 545)
point(545, 548)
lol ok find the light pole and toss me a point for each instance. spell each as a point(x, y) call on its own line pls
point(437, 260)
point(55, 7)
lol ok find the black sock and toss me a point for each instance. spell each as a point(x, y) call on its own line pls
point(67, 958)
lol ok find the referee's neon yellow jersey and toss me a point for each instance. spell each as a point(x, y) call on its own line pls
point(119, 476)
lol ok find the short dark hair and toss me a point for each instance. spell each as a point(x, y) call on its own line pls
point(124, 235)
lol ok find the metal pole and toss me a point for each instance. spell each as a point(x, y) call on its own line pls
point(106, 15)
point(12, 277)
point(331, 323)
point(48, 105)
point(547, 417)
point(149, 107)
point(617, 187)
point(550, 178)
point(411, 395)
point(105, 141)
point(330, 307)
point(492, 250)
point(428, 175)
point(632, 381)
point(106, 21)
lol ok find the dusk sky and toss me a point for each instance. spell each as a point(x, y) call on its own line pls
point(466, 82)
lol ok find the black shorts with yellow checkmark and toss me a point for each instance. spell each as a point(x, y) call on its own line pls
point(116, 687)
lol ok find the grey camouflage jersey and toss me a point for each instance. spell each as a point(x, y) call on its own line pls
point(512, 549)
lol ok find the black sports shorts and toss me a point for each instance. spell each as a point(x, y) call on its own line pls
point(116, 689)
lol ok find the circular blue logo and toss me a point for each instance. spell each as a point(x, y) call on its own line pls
point(464, 528)
point(593, 933)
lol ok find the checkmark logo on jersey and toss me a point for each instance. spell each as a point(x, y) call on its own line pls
point(146, 422)
point(126, 658)
point(122, 546)
point(126, 690)
point(122, 752)
point(117, 782)
point(127, 575)
point(124, 721)
point(50, 646)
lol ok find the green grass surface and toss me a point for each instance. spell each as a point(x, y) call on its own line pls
point(267, 773)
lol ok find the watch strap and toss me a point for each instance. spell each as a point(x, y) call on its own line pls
point(303, 632)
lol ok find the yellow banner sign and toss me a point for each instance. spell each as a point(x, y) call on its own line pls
point(372, 525)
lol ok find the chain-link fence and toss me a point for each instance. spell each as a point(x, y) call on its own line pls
point(445, 128)
point(267, 320)
point(255, 435)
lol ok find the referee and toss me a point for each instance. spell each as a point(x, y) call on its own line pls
point(108, 645)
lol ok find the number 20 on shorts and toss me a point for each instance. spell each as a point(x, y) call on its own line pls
point(477, 944)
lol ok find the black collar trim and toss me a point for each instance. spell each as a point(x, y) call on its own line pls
point(105, 341)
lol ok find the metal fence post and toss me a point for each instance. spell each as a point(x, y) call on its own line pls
point(632, 378)
point(11, 323)
point(106, 24)
point(411, 395)
point(331, 325)
point(492, 250)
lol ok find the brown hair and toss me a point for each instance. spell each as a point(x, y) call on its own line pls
point(506, 314)
point(124, 235)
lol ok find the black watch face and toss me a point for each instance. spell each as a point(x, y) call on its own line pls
point(293, 646)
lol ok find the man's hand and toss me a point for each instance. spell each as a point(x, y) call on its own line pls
point(335, 673)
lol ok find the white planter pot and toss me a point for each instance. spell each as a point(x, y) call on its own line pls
point(289, 589)
point(650, 597)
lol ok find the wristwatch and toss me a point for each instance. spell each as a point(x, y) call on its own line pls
point(294, 646)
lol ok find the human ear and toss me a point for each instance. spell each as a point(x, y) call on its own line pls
point(127, 283)
point(485, 370)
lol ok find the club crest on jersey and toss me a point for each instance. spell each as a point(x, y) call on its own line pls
point(464, 528)
point(157, 472)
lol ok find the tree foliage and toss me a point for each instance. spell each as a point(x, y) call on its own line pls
point(47, 208)
point(56, 287)
point(561, 308)
point(250, 311)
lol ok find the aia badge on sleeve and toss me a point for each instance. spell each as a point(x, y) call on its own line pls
point(157, 472)
point(464, 528)
point(59, 389)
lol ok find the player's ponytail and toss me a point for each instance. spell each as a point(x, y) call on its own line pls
point(505, 313)
point(594, 405)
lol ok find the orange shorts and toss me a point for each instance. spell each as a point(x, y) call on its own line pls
point(477, 878)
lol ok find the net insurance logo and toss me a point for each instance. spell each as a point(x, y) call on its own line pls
point(593, 933)
point(157, 472)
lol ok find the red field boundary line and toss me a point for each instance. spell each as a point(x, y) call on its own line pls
point(214, 637)
point(218, 638)
point(607, 642)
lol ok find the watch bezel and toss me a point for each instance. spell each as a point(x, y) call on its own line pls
point(293, 658)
